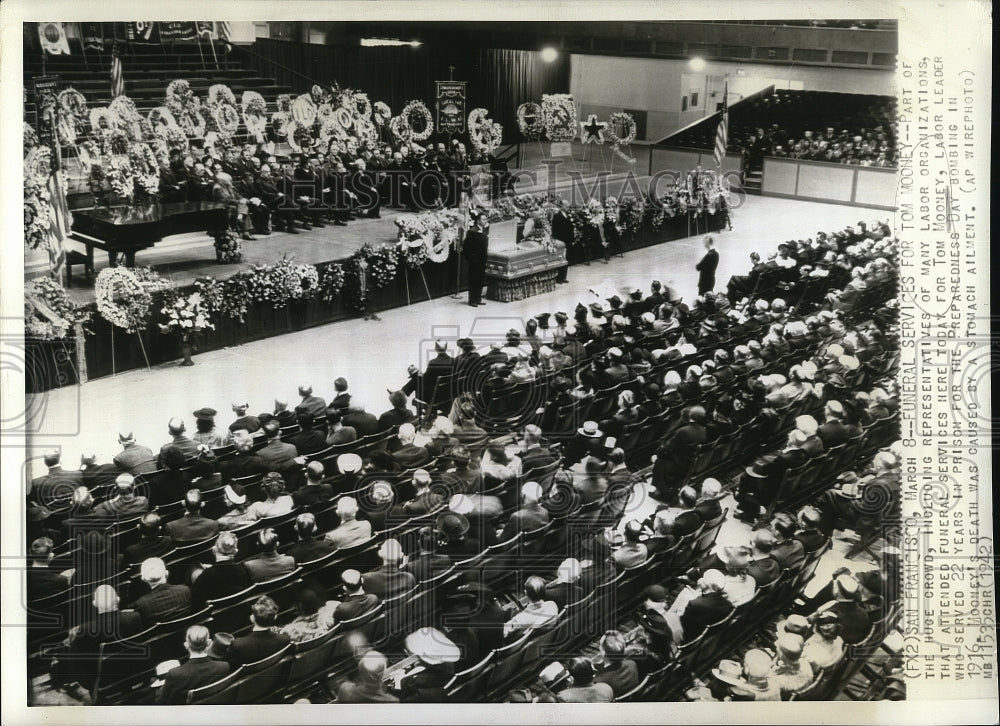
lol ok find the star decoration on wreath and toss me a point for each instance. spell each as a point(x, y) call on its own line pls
point(592, 130)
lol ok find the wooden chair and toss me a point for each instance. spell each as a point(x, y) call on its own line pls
point(264, 677)
point(220, 693)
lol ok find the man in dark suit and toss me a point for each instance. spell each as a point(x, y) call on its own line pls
point(360, 420)
point(342, 400)
point(396, 416)
point(336, 431)
point(675, 455)
point(687, 521)
point(192, 527)
point(707, 266)
point(424, 384)
point(94, 474)
point(42, 581)
point(268, 564)
point(709, 607)
point(424, 498)
point(428, 562)
point(244, 462)
point(708, 506)
point(809, 534)
point(308, 548)
point(278, 455)
point(357, 602)
point(534, 455)
point(133, 458)
point(760, 482)
point(763, 568)
point(310, 403)
point(308, 440)
point(222, 578)
point(388, 580)
point(474, 250)
point(188, 447)
point(127, 504)
point(262, 640)
point(55, 488)
point(163, 602)
point(409, 455)
point(315, 490)
point(530, 516)
point(199, 670)
point(565, 588)
point(152, 542)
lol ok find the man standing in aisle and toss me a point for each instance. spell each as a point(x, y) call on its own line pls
point(474, 250)
point(706, 268)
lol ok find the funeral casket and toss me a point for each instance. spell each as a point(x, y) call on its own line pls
point(515, 270)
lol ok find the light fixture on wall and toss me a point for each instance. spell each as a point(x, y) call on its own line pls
point(549, 54)
point(697, 64)
point(373, 42)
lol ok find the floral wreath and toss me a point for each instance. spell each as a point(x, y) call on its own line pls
point(30, 137)
point(420, 109)
point(104, 121)
point(145, 167)
point(401, 129)
point(123, 296)
point(303, 110)
point(121, 176)
point(381, 112)
point(221, 93)
point(280, 121)
point(37, 206)
point(192, 122)
point(484, 134)
point(324, 112)
point(328, 131)
point(530, 120)
point(125, 109)
point(38, 165)
point(254, 109)
point(74, 114)
point(365, 130)
point(331, 282)
point(161, 119)
point(362, 106)
point(179, 92)
point(559, 116)
point(227, 119)
point(48, 312)
point(343, 117)
point(627, 124)
point(346, 100)
point(383, 263)
point(299, 137)
point(320, 95)
point(283, 102)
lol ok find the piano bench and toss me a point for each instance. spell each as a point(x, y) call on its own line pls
point(74, 257)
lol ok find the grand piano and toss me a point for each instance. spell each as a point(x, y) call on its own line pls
point(121, 231)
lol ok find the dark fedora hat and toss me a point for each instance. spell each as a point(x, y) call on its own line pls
point(451, 524)
point(205, 414)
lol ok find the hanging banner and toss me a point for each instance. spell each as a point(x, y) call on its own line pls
point(142, 32)
point(205, 27)
point(53, 38)
point(92, 35)
point(177, 30)
point(46, 88)
point(451, 107)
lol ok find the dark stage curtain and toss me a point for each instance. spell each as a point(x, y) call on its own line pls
point(507, 78)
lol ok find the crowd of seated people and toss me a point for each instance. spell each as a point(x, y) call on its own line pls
point(317, 539)
point(347, 180)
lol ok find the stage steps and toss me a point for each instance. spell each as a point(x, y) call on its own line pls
point(753, 182)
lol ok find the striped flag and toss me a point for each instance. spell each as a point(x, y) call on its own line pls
point(60, 222)
point(117, 80)
point(722, 133)
point(222, 30)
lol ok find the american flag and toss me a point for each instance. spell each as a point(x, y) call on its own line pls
point(117, 80)
point(222, 30)
point(60, 222)
point(722, 133)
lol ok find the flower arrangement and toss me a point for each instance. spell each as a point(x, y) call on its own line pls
point(343, 117)
point(293, 282)
point(161, 119)
point(179, 94)
point(121, 176)
point(362, 106)
point(124, 295)
point(185, 106)
point(422, 130)
point(129, 119)
point(319, 94)
point(280, 121)
point(559, 116)
point(383, 263)
point(226, 118)
point(30, 137)
point(103, 121)
point(530, 120)
point(300, 138)
point(37, 205)
point(227, 298)
point(73, 115)
point(381, 112)
point(48, 312)
point(228, 248)
point(176, 138)
point(145, 167)
point(401, 130)
point(413, 253)
point(192, 122)
point(303, 110)
point(484, 134)
point(331, 282)
point(184, 314)
point(219, 93)
point(625, 124)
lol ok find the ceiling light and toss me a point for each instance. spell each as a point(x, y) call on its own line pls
point(549, 54)
point(697, 63)
point(373, 42)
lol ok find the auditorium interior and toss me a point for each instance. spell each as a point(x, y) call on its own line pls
point(523, 362)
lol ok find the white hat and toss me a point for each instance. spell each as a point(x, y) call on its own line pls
point(807, 425)
point(432, 646)
point(590, 430)
point(349, 463)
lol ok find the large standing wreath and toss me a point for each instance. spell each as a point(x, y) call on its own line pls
point(559, 116)
point(331, 282)
point(220, 93)
point(484, 134)
point(145, 168)
point(121, 176)
point(401, 130)
point(381, 112)
point(530, 120)
point(227, 119)
point(626, 123)
point(37, 205)
point(426, 126)
point(48, 312)
point(362, 106)
point(73, 115)
point(124, 295)
point(303, 110)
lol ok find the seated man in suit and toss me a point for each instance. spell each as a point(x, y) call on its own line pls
point(310, 403)
point(428, 562)
point(152, 542)
point(52, 489)
point(708, 506)
point(192, 527)
point(223, 578)
point(701, 607)
point(763, 568)
point(244, 462)
point(388, 580)
point(584, 688)
point(308, 548)
point(244, 421)
point(278, 455)
point(187, 446)
point(356, 602)
point(315, 490)
point(351, 530)
point(134, 458)
point(43, 581)
point(94, 474)
point(565, 588)
point(369, 684)
point(633, 552)
point(268, 564)
point(534, 455)
point(409, 455)
point(126, 504)
point(263, 639)
point(310, 438)
point(199, 670)
point(163, 602)
point(617, 671)
point(530, 516)
point(396, 416)
point(538, 613)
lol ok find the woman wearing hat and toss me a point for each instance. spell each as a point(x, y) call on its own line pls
point(825, 647)
point(757, 684)
point(204, 419)
point(437, 655)
point(453, 528)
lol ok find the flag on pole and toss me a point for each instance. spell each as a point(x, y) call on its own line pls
point(117, 80)
point(60, 222)
point(53, 38)
point(223, 31)
point(722, 133)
